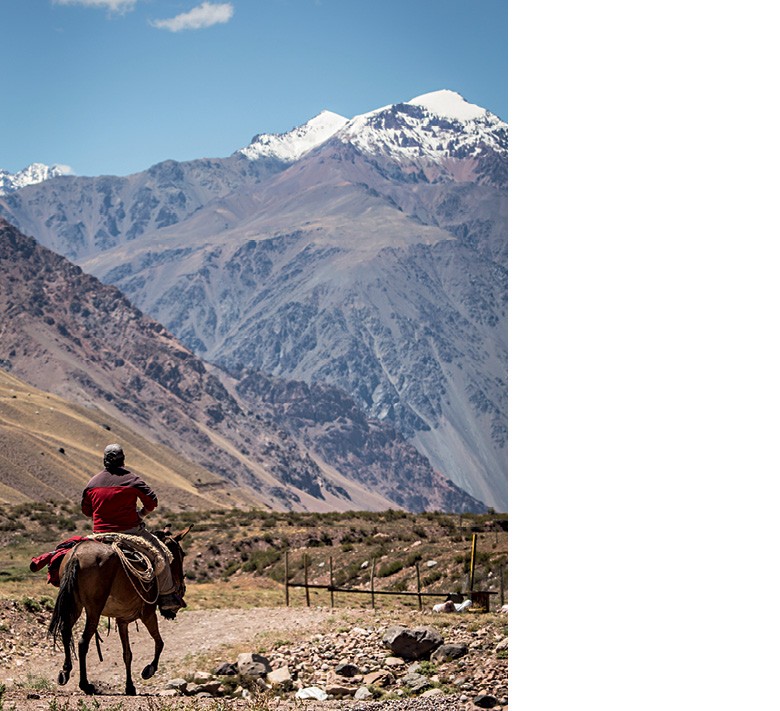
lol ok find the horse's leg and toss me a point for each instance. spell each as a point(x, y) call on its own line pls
point(150, 622)
point(93, 619)
point(67, 609)
point(67, 643)
point(127, 655)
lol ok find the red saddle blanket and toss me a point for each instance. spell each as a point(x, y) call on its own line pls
point(53, 559)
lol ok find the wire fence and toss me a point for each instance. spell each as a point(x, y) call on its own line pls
point(480, 599)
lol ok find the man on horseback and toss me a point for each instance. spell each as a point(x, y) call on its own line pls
point(110, 500)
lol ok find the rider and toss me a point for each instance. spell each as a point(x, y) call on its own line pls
point(110, 499)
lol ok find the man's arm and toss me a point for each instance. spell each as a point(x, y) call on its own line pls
point(147, 496)
point(86, 504)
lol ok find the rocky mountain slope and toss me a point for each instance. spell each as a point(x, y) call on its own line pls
point(68, 334)
point(369, 254)
point(49, 447)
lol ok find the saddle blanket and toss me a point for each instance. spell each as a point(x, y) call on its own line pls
point(53, 560)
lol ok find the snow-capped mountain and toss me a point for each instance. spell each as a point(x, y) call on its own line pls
point(32, 174)
point(368, 254)
point(292, 145)
point(435, 126)
point(438, 125)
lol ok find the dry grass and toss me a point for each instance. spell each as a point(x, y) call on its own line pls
point(50, 447)
point(237, 559)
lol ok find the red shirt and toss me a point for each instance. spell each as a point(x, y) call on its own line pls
point(110, 499)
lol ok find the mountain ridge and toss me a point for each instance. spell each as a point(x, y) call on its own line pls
point(68, 334)
point(295, 143)
point(366, 263)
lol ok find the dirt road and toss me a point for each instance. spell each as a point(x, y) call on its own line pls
point(200, 640)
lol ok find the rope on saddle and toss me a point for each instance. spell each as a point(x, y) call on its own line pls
point(140, 565)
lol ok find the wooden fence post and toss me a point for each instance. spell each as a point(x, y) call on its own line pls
point(331, 581)
point(373, 566)
point(419, 587)
point(473, 560)
point(306, 578)
point(287, 578)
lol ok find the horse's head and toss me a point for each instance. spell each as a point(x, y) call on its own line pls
point(172, 543)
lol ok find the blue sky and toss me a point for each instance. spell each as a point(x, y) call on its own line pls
point(114, 86)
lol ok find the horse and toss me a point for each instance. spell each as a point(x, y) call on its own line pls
point(94, 580)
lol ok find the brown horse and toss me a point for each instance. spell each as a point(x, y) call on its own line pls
point(94, 580)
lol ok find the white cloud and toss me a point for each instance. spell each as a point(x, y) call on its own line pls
point(204, 15)
point(112, 5)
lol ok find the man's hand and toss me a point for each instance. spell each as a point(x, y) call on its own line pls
point(142, 513)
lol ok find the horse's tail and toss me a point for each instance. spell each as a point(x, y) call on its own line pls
point(65, 611)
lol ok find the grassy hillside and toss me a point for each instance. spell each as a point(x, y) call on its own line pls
point(237, 558)
point(50, 447)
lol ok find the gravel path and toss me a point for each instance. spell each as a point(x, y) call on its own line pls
point(311, 641)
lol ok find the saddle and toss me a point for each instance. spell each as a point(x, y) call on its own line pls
point(136, 551)
point(139, 557)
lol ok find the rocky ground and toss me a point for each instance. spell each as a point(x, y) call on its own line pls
point(317, 658)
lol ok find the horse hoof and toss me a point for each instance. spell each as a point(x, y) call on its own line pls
point(62, 678)
point(130, 691)
point(88, 689)
point(148, 671)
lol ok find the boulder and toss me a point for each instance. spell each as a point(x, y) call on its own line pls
point(379, 678)
point(416, 643)
point(485, 701)
point(253, 665)
point(339, 691)
point(226, 669)
point(347, 669)
point(213, 687)
point(432, 692)
point(362, 694)
point(448, 652)
point(416, 682)
point(177, 684)
point(280, 678)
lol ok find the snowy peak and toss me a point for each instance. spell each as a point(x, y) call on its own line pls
point(32, 174)
point(437, 125)
point(450, 104)
point(434, 126)
point(292, 145)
